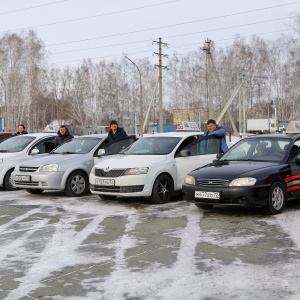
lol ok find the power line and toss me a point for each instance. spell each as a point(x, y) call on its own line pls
point(31, 7)
point(96, 16)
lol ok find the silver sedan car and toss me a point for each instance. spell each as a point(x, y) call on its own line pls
point(68, 166)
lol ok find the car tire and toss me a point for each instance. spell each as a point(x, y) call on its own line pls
point(7, 182)
point(162, 190)
point(107, 197)
point(77, 184)
point(34, 191)
point(276, 199)
point(204, 206)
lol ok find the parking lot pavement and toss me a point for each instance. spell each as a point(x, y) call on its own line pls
point(55, 247)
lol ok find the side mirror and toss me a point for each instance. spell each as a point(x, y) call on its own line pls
point(34, 151)
point(100, 152)
point(184, 153)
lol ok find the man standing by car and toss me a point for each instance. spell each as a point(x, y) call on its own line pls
point(63, 136)
point(217, 131)
point(115, 132)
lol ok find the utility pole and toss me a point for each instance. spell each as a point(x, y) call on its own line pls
point(141, 98)
point(5, 104)
point(160, 66)
point(209, 88)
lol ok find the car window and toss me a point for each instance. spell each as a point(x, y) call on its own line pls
point(204, 146)
point(45, 146)
point(16, 143)
point(260, 149)
point(153, 146)
point(118, 145)
point(80, 145)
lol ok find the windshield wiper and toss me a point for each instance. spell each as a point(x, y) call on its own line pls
point(3, 151)
point(68, 152)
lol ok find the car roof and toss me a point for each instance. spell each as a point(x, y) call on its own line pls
point(98, 135)
point(8, 133)
point(40, 134)
point(274, 135)
point(175, 134)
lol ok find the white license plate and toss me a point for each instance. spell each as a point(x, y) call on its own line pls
point(109, 182)
point(208, 195)
point(22, 178)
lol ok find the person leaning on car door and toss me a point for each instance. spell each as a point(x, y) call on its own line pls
point(217, 131)
point(63, 135)
point(115, 132)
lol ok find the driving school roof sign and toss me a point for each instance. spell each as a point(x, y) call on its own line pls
point(187, 126)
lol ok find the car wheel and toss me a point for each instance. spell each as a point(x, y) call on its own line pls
point(276, 199)
point(162, 190)
point(107, 197)
point(77, 184)
point(34, 191)
point(7, 182)
point(204, 206)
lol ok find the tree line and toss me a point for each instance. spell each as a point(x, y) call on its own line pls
point(93, 93)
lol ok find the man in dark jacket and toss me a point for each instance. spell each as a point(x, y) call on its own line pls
point(115, 132)
point(21, 130)
point(63, 136)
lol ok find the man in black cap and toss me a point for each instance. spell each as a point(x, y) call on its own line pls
point(115, 132)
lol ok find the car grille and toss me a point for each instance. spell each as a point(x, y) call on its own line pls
point(118, 189)
point(111, 173)
point(28, 169)
point(212, 182)
point(28, 183)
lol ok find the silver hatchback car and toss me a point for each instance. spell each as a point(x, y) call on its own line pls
point(68, 166)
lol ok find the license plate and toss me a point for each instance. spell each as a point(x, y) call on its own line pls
point(207, 195)
point(22, 177)
point(109, 182)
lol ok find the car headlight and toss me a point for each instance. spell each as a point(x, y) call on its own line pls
point(246, 181)
point(49, 168)
point(136, 171)
point(189, 180)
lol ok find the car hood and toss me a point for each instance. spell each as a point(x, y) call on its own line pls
point(231, 169)
point(53, 159)
point(121, 161)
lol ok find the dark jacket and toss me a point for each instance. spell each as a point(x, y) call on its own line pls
point(220, 132)
point(60, 139)
point(19, 133)
point(120, 133)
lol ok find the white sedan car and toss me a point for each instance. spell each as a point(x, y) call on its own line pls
point(22, 148)
point(155, 166)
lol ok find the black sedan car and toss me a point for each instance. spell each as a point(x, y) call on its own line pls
point(258, 171)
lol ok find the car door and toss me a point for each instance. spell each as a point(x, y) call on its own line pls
point(294, 181)
point(44, 145)
point(201, 152)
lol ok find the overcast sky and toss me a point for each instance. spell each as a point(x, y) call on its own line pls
point(73, 30)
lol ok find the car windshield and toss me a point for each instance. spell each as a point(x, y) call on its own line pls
point(16, 143)
point(153, 146)
point(258, 149)
point(81, 145)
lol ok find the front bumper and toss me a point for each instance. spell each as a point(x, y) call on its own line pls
point(252, 196)
point(40, 180)
point(124, 186)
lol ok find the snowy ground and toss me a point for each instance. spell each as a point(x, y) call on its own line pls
point(55, 247)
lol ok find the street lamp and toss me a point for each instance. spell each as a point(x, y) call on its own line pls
point(141, 97)
point(5, 110)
